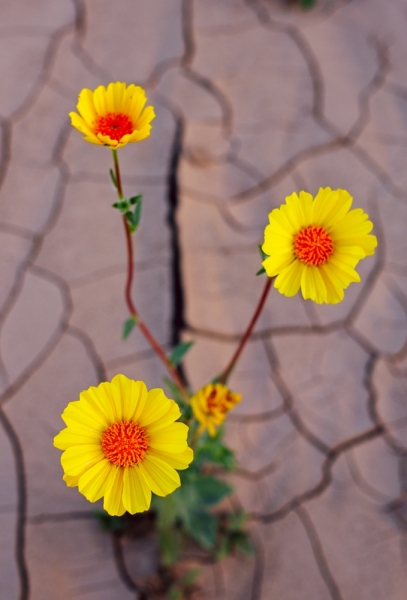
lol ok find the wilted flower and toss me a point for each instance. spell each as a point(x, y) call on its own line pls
point(113, 116)
point(211, 405)
point(121, 442)
point(316, 244)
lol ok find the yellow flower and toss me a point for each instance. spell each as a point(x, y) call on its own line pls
point(211, 405)
point(316, 244)
point(113, 116)
point(121, 442)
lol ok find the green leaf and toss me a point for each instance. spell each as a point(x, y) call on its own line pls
point(137, 211)
point(202, 527)
point(179, 352)
point(190, 577)
point(170, 544)
point(236, 521)
point(122, 205)
point(178, 397)
point(113, 178)
point(244, 544)
point(307, 3)
point(223, 549)
point(135, 199)
point(262, 254)
point(167, 509)
point(212, 490)
point(175, 594)
point(128, 327)
point(107, 522)
point(212, 450)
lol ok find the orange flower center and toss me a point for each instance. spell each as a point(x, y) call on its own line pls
point(313, 245)
point(125, 443)
point(115, 125)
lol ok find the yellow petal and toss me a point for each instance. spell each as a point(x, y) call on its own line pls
point(347, 255)
point(343, 267)
point(113, 501)
point(74, 437)
point(99, 399)
point(157, 405)
point(276, 238)
point(135, 100)
point(136, 491)
point(115, 94)
point(339, 203)
point(107, 141)
point(170, 416)
point(145, 118)
point(171, 439)
point(334, 289)
point(289, 280)
point(78, 459)
point(276, 263)
point(85, 412)
point(133, 396)
point(140, 134)
point(100, 100)
point(312, 284)
point(70, 480)
point(179, 461)
point(86, 108)
point(161, 477)
point(340, 277)
point(93, 483)
point(281, 218)
point(301, 206)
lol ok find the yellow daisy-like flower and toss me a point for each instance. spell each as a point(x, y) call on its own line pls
point(121, 442)
point(316, 244)
point(113, 116)
point(211, 405)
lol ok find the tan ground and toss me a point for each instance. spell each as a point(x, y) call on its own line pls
point(255, 102)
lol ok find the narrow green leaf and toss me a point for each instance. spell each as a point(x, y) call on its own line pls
point(170, 544)
point(137, 212)
point(135, 199)
point(262, 254)
point(212, 490)
point(129, 219)
point(122, 205)
point(202, 528)
point(261, 271)
point(179, 352)
point(190, 576)
point(113, 178)
point(128, 327)
point(175, 391)
point(236, 521)
point(107, 522)
point(307, 3)
point(245, 545)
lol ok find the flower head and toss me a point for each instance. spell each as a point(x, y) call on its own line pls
point(113, 116)
point(121, 442)
point(316, 244)
point(211, 405)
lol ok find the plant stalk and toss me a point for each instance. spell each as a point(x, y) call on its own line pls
point(226, 373)
point(129, 282)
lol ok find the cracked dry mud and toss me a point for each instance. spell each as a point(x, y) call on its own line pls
point(252, 103)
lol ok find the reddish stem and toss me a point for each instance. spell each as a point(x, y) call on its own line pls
point(226, 373)
point(129, 301)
